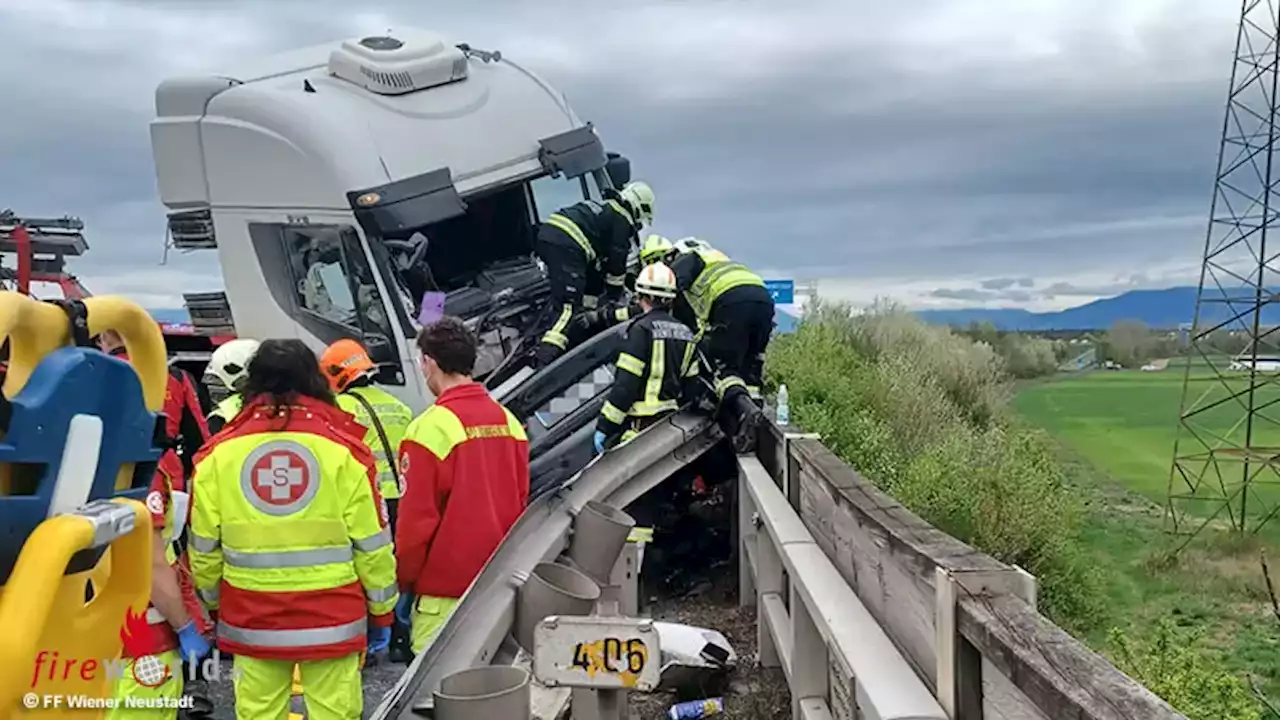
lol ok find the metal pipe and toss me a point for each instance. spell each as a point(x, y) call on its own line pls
point(552, 589)
point(599, 534)
point(484, 692)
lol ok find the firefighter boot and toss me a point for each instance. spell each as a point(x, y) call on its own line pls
point(740, 419)
point(400, 651)
point(196, 688)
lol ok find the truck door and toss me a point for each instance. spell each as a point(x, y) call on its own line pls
point(325, 279)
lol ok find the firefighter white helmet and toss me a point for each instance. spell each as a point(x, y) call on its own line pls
point(656, 280)
point(230, 363)
point(640, 197)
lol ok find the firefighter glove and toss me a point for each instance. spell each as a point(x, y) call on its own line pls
point(598, 440)
point(194, 646)
point(379, 639)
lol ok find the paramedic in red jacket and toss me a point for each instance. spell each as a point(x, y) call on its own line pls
point(177, 628)
point(184, 419)
point(465, 468)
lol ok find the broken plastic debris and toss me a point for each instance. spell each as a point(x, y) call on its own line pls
point(692, 656)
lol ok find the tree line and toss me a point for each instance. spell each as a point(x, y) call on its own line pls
point(1128, 344)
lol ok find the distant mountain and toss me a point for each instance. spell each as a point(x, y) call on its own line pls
point(1164, 309)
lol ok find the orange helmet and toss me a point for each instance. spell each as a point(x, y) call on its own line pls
point(344, 362)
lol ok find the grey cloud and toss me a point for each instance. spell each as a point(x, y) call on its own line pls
point(844, 152)
point(967, 294)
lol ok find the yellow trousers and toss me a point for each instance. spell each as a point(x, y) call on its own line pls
point(127, 687)
point(429, 615)
point(331, 689)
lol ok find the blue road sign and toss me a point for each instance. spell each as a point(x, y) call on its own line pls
point(782, 291)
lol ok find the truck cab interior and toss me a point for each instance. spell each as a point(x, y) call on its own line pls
point(480, 255)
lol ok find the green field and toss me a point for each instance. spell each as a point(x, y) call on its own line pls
point(1125, 422)
point(1117, 432)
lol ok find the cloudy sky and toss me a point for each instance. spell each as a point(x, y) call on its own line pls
point(942, 152)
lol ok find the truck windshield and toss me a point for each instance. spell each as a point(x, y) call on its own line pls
point(498, 228)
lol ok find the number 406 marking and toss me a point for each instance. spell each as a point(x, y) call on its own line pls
point(613, 650)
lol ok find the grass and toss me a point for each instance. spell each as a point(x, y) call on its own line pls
point(1126, 423)
point(1117, 431)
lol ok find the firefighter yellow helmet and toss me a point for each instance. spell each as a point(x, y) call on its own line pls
point(655, 248)
point(656, 280)
point(640, 197)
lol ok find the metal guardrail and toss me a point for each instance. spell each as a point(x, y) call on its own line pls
point(478, 632)
point(965, 622)
point(838, 661)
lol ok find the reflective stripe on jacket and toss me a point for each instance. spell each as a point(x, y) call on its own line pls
point(395, 417)
point(465, 465)
point(605, 232)
point(289, 536)
point(656, 367)
point(704, 275)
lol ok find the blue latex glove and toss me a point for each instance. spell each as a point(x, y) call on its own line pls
point(379, 639)
point(598, 441)
point(193, 645)
point(404, 608)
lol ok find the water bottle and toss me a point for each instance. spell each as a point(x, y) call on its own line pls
point(784, 406)
point(696, 709)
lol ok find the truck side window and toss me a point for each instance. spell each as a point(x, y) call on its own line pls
point(320, 276)
point(551, 194)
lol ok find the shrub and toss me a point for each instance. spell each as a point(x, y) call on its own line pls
point(1029, 357)
point(1171, 666)
point(923, 413)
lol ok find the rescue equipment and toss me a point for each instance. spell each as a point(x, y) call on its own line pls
point(78, 448)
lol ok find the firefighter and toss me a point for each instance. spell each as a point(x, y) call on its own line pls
point(657, 363)
point(349, 370)
point(289, 542)
point(229, 364)
point(465, 465)
point(347, 367)
point(185, 428)
point(177, 625)
point(733, 313)
point(586, 325)
point(579, 240)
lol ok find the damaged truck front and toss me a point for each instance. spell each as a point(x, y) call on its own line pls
point(342, 184)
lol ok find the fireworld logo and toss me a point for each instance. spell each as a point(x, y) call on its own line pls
point(144, 667)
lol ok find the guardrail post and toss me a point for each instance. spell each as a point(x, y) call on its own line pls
point(959, 670)
point(769, 582)
point(747, 544)
point(791, 483)
point(810, 667)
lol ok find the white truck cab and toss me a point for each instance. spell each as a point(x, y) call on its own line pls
point(341, 182)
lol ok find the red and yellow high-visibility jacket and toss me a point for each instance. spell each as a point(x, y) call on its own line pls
point(465, 467)
point(167, 481)
point(289, 538)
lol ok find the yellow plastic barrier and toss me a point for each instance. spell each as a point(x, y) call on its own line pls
point(51, 642)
